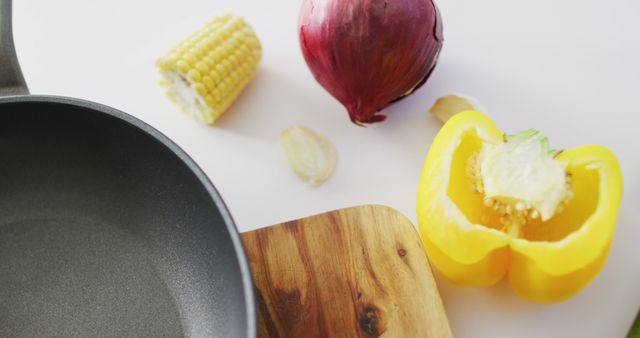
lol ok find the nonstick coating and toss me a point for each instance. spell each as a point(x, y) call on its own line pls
point(108, 229)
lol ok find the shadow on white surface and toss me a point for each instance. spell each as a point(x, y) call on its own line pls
point(253, 118)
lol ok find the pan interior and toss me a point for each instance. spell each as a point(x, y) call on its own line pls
point(104, 231)
point(55, 267)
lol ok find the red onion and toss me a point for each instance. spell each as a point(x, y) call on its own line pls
point(370, 53)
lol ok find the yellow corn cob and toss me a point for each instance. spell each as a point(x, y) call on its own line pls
point(207, 71)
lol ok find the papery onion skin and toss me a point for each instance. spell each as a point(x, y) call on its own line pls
point(370, 53)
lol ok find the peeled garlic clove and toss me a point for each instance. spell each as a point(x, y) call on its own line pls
point(447, 106)
point(310, 155)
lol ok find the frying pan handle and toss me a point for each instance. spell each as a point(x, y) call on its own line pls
point(11, 79)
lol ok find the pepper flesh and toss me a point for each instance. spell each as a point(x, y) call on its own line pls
point(546, 261)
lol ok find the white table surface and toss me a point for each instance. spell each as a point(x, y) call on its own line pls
point(569, 68)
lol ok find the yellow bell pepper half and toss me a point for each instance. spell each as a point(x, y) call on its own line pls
point(545, 261)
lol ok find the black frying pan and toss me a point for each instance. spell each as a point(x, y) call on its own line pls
point(107, 228)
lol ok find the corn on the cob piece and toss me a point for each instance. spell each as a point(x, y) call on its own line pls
point(206, 72)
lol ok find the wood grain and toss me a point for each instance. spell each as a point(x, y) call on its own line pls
point(356, 272)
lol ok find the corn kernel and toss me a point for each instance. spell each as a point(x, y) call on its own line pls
point(208, 61)
point(227, 65)
point(233, 60)
point(215, 76)
point(208, 82)
point(216, 95)
point(215, 56)
point(182, 66)
point(194, 74)
point(163, 65)
point(200, 88)
point(202, 67)
point(222, 87)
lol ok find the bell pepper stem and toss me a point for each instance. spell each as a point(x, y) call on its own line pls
point(634, 332)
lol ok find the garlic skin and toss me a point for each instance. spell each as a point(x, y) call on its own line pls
point(311, 156)
point(446, 106)
point(370, 53)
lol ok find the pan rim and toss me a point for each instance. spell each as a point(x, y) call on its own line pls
point(241, 256)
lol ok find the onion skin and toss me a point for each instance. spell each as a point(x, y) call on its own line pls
point(370, 53)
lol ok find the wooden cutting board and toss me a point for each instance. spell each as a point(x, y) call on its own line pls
point(356, 272)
